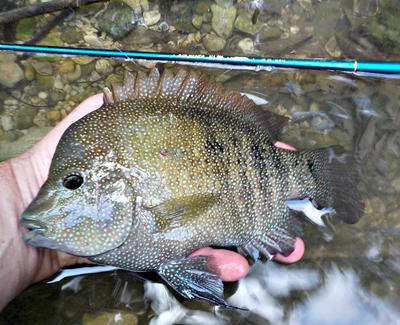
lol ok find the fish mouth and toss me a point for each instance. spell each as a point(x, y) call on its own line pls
point(37, 238)
point(33, 224)
point(36, 230)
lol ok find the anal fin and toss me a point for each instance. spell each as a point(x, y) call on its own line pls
point(194, 277)
point(277, 240)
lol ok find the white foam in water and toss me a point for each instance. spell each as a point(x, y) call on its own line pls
point(169, 311)
point(308, 208)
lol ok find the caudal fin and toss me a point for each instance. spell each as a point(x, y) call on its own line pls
point(335, 182)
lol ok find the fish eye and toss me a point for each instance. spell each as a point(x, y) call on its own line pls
point(73, 182)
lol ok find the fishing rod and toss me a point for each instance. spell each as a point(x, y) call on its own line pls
point(239, 62)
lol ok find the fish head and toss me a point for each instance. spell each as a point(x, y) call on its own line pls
point(86, 206)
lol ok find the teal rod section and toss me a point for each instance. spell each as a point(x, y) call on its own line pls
point(254, 62)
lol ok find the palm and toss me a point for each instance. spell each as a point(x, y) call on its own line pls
point(22, 178)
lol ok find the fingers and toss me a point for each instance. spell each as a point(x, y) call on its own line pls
point(295, 256)
point(231, 266)
point(47, 145)
point(64, 259)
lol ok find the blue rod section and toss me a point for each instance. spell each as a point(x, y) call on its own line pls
point(345, 65)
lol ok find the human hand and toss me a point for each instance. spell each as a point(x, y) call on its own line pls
point(21, 179)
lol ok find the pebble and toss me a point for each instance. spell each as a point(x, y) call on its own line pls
point(43, 68)
point(294, 29)
point(43, 95)
point(82, 60)
point(71, 35)
point(54, 115)
point(270, 31)
point(333, 48)
point(222, 20)
point(197, 20)
point(93, 41)
point(7, 122)
point(11, 102)
point(74, 75)
point(41, 119)
point(117, 20)
point(146, 64)
point(45, 82)
point(201, 7)
point(213, 43)
point(151, 17)
point(134, 4)
point(67, 67)
point(10, 73)
point(246, 45)
point(58, 84)
point(103, 66)
point(29, 73)
point(24, 118)
point(244, 24)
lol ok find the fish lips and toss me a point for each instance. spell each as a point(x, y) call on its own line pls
point(36, 238)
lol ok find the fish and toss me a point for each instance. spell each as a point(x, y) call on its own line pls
point(172, 162)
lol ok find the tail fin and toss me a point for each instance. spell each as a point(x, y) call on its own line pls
point(335, 181)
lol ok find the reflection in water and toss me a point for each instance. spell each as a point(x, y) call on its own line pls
point(169, 311)
point(342, 300)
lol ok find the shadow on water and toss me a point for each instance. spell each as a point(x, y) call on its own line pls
point(350, 278)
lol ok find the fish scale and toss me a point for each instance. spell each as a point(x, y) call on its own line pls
point(174, 162)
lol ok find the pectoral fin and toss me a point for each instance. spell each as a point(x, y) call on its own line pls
point(194, 277)
point(177, 212)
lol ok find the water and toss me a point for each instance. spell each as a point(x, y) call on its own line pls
point(350, 278)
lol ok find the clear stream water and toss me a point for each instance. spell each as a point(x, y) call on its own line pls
point(352, 277)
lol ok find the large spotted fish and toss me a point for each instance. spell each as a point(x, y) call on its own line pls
point(175, 162)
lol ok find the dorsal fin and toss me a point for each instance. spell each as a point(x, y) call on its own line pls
point(192, 88)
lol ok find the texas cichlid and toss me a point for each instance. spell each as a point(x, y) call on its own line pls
point(174, 162)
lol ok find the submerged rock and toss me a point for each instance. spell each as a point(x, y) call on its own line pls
point(104, 66)
point(71, 35)
point(118, 20)
point(43, 68)
point(10, 72)
point(270, 31)
point(213, 43)
point(7, 122)
point(151, 17)
point(115, 317)
point(222, 20)
point(197, 20)
point(244, 24)
point(246, 45)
